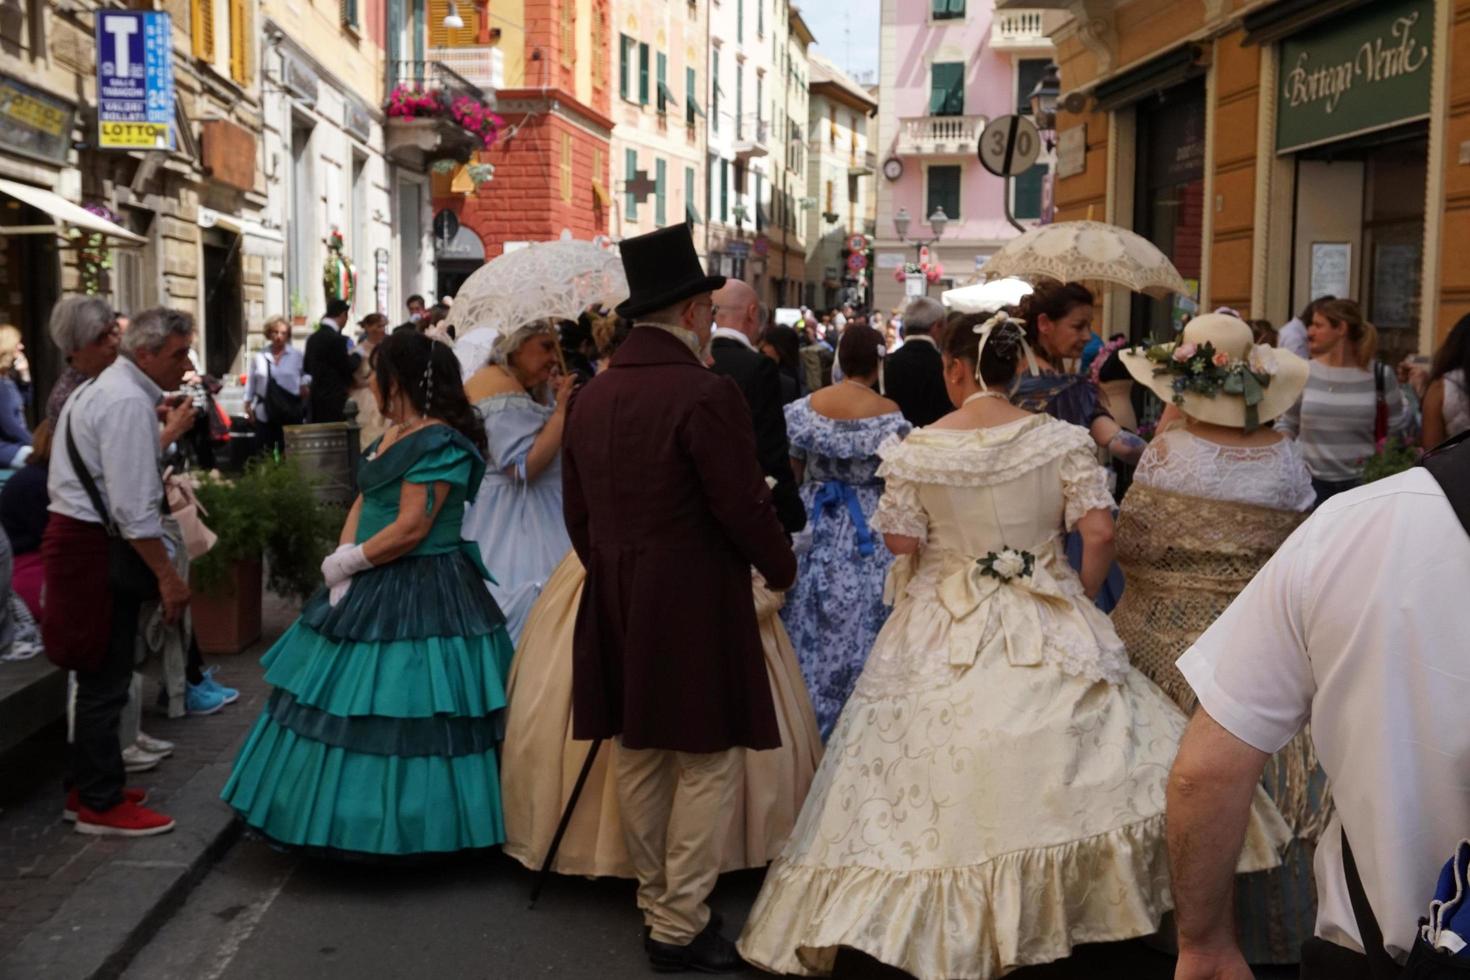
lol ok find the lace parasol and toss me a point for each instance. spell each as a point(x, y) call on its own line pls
point(1092, 253)
point(547, 279)
point(986, 297)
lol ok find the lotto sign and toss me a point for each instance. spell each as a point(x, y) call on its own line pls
point(135, 81)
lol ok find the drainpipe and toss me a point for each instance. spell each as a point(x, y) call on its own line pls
point(708, 218)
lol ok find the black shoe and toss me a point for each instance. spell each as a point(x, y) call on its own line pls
point(715, 924)
point(710, 952)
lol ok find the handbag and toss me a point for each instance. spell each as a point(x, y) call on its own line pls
point(128, 574)
point(281, 407)
point(187, 510)
point(1380, 405)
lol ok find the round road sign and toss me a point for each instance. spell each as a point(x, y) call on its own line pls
point(857, 261)
point(1009, 145)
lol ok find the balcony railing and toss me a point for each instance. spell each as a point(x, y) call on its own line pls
point(940, 135)
point(752, 137)
point(1021, 29)
point(482, 67)
point(862, 166)
point(432, 75)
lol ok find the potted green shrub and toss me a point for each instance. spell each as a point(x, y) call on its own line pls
point(267, 519)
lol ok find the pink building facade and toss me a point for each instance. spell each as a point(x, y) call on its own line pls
point(949, 67)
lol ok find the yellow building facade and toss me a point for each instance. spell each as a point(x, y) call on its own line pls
point(1276, 151)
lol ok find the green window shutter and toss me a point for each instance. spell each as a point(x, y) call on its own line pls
point(663, 82)
point(630, 171)
point(1028, 191)
point(691, 100)
point(760, 208)
point(691, 213)
point(947, 89)
point(625, 66)
point(714, 94)
point(643, 74)
point(660, 188)
point(725, 190)
point(944, 191)
point(1028, 72)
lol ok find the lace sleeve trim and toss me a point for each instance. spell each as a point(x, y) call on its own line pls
point(1084, 485)
point(899, 511)
point(981, 458)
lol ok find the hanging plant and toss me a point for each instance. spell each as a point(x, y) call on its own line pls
point(94, 257)
point(412, 102)
point(444, 168)
point(481, 173)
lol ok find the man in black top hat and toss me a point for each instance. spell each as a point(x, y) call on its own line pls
point(668, 509)
point(330, 361)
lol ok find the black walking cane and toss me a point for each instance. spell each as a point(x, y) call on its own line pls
point(566, 818)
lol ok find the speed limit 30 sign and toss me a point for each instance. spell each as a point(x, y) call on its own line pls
point(1009, 146)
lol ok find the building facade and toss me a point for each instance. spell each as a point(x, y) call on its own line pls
point(180, 221)
point(659, 124)
point(548, 64)
point(1277, 151)
point(948, 67)
point(841, 169)
point(328, 172)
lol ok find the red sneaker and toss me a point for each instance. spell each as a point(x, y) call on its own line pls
point(74, 801)
point(124, 820)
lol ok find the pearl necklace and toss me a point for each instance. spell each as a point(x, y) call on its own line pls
point(984, 394)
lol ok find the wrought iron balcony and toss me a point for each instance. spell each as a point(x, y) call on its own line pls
point(863, 166)
point(423, 137)
point(1020, 30)
point(940, 135)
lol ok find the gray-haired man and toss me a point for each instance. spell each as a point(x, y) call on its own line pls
point(91, 617)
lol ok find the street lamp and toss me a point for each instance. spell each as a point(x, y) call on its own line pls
point(1043, 99)
point(937, 223)
point(453, 20)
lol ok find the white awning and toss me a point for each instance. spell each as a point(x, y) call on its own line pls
point(64, 211)
point(256, 238)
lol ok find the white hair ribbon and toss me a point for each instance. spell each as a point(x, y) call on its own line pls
point(985, 330)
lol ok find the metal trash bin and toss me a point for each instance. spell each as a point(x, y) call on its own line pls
point(327, 454)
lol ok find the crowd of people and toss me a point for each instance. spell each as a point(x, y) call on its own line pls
point(913, 608)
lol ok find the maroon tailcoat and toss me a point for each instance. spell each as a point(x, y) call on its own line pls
point(668, 510)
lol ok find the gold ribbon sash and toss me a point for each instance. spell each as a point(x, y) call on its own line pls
point(975, 599)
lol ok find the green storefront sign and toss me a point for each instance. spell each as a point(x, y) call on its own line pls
point(1363, 72)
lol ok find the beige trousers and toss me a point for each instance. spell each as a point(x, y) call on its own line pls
point(676, 809)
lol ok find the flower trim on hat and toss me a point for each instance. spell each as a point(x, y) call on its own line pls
point(1200, 369)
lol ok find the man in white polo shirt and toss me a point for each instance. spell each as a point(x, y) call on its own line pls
point(1360, 625)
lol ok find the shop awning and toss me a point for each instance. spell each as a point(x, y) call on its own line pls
point(256, 238)
point(1290, 16)
point(1149, 78)
point(599, 192)
point(64, 211)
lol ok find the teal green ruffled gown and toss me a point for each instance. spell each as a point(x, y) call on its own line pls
point(381, 734)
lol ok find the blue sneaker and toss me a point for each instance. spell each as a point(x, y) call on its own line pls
point(209, 683)
point(201, 700)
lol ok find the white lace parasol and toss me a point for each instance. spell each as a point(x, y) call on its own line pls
point(986, 297)
point(547, 279)
point(1090, 252)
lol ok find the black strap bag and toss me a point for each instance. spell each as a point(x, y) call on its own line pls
point(128, 575)
point(281, 407)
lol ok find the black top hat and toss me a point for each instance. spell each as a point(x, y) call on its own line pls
point(662, 268)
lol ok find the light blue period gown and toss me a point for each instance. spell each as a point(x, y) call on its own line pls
point(835, 609)
point(517, 522)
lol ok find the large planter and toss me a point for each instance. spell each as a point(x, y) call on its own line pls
point(227, 618)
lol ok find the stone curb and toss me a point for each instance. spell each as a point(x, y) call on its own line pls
point(116, 911)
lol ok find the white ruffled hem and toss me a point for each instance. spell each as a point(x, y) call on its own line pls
point(981, 457)
point(980, 921)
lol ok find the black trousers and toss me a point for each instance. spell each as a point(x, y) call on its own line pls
point(96, 757)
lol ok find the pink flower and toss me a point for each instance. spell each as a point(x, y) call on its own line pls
point(1221, 359)
point(1184, 352)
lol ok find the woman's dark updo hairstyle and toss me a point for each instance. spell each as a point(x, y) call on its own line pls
point(1003, 352)
point(399, 364)
point(786, 343)
point(857, 351)
point(1054, 300)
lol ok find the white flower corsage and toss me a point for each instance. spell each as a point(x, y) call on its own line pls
point(1007, 564)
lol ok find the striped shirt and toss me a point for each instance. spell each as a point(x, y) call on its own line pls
point(1333, 420)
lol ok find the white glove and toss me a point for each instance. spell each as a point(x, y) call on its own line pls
point(342, 564)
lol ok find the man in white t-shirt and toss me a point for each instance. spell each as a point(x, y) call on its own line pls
point(1360, 625)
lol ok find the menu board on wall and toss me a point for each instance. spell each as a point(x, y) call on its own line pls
point(1332, 269)
point(1395, 285)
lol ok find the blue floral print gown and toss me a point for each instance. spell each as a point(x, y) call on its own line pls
point(835, 609)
